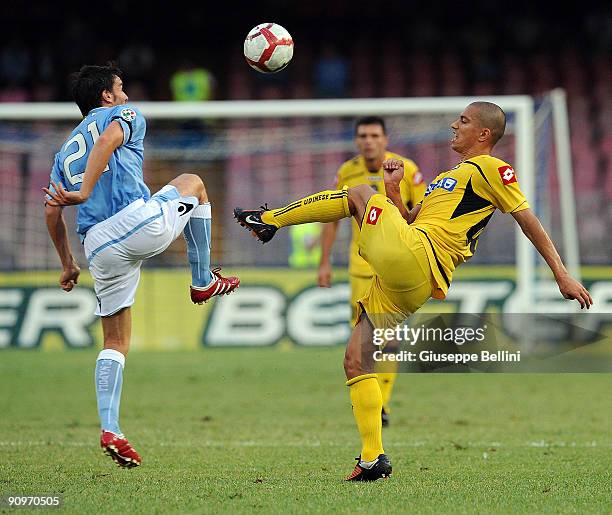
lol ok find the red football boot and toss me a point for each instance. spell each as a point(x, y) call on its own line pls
point(119, 449)
point(218, 286)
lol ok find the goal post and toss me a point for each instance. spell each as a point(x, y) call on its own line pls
point(519, 108)
point(571, 243)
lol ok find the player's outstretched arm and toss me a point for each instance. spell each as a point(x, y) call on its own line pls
point(328, 236)
point(569, 287)
point(105, 145)
point(56, 226)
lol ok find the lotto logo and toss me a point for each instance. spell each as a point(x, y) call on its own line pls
point(373, 215)
point(507, 175)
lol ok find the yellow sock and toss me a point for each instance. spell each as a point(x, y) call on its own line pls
point(386, 379)
point(325, 206)
point(367, 405)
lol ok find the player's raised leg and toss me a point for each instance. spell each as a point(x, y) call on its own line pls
point(366, 398)
point(324, 206)
point(117, 330)
point(205, 283)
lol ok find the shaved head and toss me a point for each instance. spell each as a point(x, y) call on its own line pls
point(491, 117)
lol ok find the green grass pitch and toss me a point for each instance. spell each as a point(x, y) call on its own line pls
point(271, 430)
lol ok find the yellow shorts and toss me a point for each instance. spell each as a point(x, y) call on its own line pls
point(402, 280)
point(359, 288)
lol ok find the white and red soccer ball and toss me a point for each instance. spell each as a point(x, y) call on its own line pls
point(268, 48)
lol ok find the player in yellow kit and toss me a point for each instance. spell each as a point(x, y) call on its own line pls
point(366, 168)
point(413, 254)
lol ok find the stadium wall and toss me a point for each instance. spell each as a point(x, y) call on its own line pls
point(276, 306)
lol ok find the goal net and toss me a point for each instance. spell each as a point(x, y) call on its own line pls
point(249, 153)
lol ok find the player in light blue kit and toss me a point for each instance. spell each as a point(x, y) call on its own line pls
point(99, 168)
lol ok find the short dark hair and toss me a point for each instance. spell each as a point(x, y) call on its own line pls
point(370, 120)
point(89, 83)
point(491, 117)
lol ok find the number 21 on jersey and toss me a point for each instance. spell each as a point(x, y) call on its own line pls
point(75, 177)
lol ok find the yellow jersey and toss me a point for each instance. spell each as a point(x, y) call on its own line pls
point(457, 206)
point(353, 173)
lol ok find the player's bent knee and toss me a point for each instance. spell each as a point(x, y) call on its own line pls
point(191, 185)
point(200, 187)
point(191, 179)
point(358, 197)
point(361, 193)
point(196, 179)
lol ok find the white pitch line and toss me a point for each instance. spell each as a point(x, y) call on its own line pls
point(256, 443)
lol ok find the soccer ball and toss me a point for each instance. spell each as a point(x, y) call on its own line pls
point(268, 48)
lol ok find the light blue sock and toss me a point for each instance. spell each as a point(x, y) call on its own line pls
point(109, 379)
point(198, 235)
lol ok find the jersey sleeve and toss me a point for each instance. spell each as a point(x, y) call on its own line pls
point(131, 120)
point(502, 184)
point(56, 177)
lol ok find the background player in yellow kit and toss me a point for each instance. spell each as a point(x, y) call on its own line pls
point(366, 168)
point(413, 254)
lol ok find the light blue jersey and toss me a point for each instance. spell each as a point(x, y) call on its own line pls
point(122, 181)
